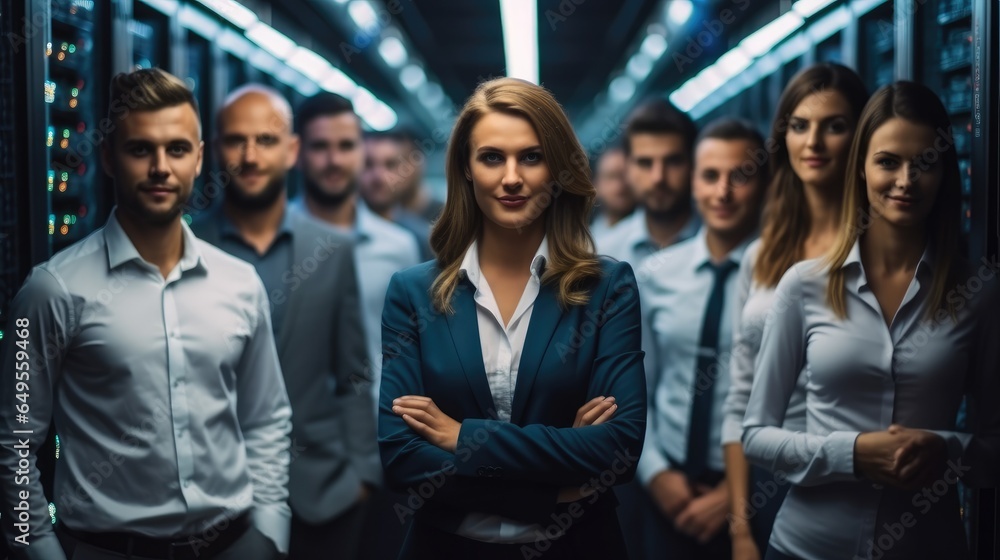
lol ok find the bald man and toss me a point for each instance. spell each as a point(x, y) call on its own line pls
point(308, 271)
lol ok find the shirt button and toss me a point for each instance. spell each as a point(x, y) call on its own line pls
point(187, 483)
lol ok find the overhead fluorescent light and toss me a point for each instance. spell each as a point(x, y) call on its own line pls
point(519, 19)
point(621, 89)
point(363, 14)
point(263, 61)
point(197, 21)
point(271, 40)
point(807, 8)
point(654, 45)
point(733, 62)
point(412, 77)
point(236, 13)
point(679, 11)
point(168, 7)
point(639, 66)
point(431, 95)
point(310, 64)
point(764, 39)
point(382, 117)
point(338, 82)
point(229, 41)
point(392, 51)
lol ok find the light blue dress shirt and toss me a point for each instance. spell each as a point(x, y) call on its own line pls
point(629, 240)
point(674, 287)
point(861, 377)
point(167, 394)
point(382, 249)
point(752, 305)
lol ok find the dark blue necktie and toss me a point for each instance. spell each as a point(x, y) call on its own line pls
point(704, 391)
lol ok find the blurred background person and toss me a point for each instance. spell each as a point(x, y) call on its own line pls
point(658, 146)
point(615, 200)
point(688, 297)
point(382, 183)
point(810, 139)
point(415, 197)
point(322, 350)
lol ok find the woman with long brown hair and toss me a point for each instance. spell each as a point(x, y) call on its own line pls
point(890, 331)
point(513, 392)
point(810, 138)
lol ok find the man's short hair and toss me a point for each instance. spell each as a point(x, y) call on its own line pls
point(728, 128)
point(323, 104)
point(147, 89)
point(659, 116)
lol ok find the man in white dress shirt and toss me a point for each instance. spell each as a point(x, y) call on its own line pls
point(687, 292)
point(152, 351)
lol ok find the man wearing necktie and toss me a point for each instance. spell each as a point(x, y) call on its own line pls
point(686, 292)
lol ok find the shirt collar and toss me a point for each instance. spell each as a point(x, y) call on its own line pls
point(852, 264)
point(639, 237)
point(121, 249)
point(701, 257)
point(470, 262)
point(364, 221)
point(228, 229)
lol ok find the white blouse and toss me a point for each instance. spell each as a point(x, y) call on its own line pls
point(860, 377)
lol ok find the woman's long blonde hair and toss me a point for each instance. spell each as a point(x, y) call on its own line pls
point(572, 263)
point(915, 103)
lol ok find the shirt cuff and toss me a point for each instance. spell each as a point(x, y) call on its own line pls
point(651, 464)
point(45, 547)
point(274, 521)
point(841, 455)
point(732, 431)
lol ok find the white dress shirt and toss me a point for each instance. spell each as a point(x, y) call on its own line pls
point(501, 346)
point(167, 394)
point(629, 240)
point(861, 377)
point(674, 288)
point(752, 305)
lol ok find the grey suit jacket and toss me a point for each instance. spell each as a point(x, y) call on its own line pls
point(321, 346)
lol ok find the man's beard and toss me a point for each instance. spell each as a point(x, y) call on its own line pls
point(323, 198)
point(256, 202)
point(129, 202)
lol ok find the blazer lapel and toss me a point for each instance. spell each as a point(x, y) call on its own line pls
point(545, 317)
point(464, 327)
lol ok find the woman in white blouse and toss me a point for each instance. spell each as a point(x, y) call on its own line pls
point(891, 331)
point(810, 140)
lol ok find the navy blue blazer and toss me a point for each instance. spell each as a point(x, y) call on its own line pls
point(514, 469)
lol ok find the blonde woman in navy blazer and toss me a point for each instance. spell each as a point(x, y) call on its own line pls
point(513, 394)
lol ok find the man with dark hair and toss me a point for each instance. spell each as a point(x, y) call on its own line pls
point(658, 149)
point(309, 272)
point(153, 353)
point(382, 182)
point(331, 161)
point(693, 284)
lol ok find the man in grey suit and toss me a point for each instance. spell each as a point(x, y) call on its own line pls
point(309, 272)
